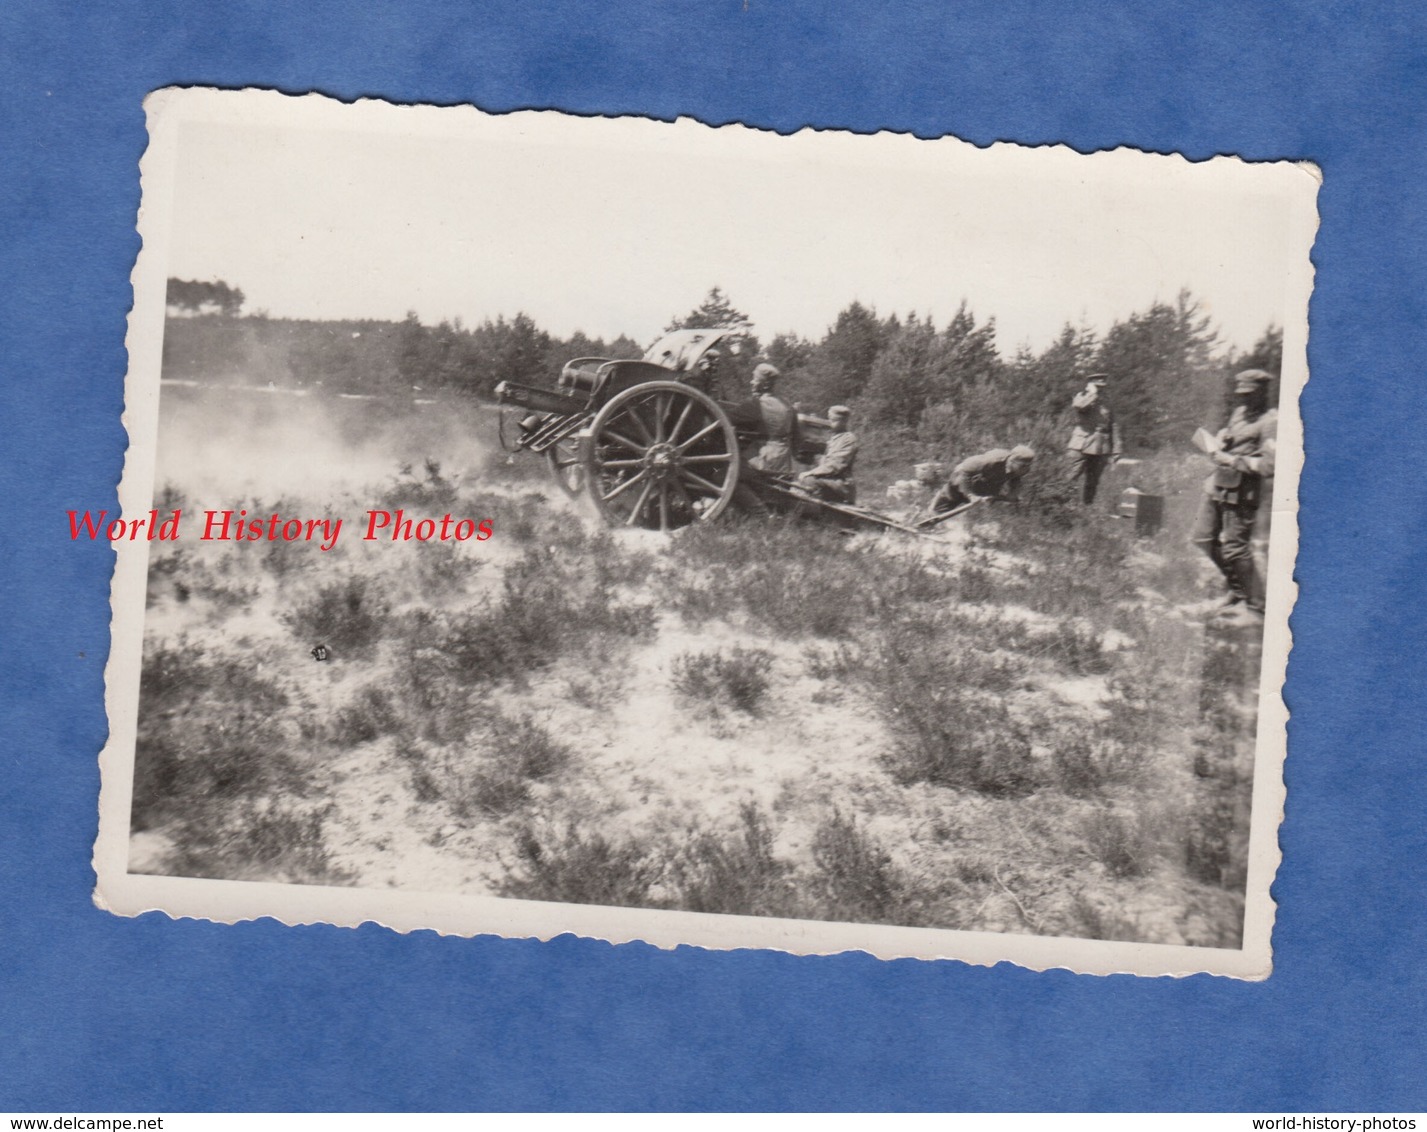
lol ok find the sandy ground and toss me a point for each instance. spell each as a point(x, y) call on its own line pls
point(646, 761)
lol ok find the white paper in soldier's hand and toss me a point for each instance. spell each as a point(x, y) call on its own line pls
point(1206, 441)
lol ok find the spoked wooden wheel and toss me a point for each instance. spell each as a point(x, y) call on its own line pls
point(661, 456)
point(567, 465)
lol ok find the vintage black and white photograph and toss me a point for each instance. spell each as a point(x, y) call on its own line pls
point(537, 524)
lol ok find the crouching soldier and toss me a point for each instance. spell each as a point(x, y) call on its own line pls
point(831, 478)
point(996, 474)
point(1243, 463)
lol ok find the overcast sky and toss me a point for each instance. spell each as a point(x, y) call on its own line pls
point(616, 226)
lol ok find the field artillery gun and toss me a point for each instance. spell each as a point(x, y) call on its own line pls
point(651, 447)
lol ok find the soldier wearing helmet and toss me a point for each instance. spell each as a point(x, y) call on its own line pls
point(996, 474)
point(770, 424)
point(1243, 466)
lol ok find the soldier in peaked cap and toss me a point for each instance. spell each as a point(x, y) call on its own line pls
point(1095, 441)
point(831, 477)
point(1243, 467)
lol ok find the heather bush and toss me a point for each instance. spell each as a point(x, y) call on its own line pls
point(1087, 765)
point(1119, 841)
point(209, 728)
point(254, 839)
point(1073, 646)
point(571, 867)
point(490, 769)
point(368, 715)
point(736, 874)
point(856, 879)
point(348, 616)
point(427, 491)
point(736, 679)
point(941, 699)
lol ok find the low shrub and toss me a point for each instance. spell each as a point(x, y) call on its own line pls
point(368, 715)
point(1087, 765)
point(836, 663)
point(1216, 842)
point(215, 771)
point(736, 875)
point(427, 490)
point(941, 697)
point(517, 753)
point(254, 839)
point(1118, 841)
point(348, 616)
point(492, 776)
point(1074, 647)
point(856, 879)
point(736, 679)
point(443, 569)
point(209, 728)
point(574, 868)
point(1092, 920)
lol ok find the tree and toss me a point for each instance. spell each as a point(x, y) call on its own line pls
point(789, 353)
point(1046, 382)
point(900, 385)
point(714, 313)
point(193, 296)
point(625, 347)
point(964, 360)
point(1267, 353)
point(512, 351)
point(1164, 375)
point(842, 362)
point(413, 363)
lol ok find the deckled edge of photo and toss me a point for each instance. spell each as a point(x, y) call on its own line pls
point(224, 901)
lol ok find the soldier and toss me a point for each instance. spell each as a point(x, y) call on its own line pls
point(770, 422)
point(996, 474)
point(831, 478)
point(1095, 442)
point(769, 426)
point(1243, 461)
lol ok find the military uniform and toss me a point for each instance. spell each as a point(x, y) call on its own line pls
point(1094, 443)
point(988, 475)
point(776, 435)
point(831, 478)
point(1224, 528)
point(770, 435)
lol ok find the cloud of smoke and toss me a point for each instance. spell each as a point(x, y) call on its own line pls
point(220, 443)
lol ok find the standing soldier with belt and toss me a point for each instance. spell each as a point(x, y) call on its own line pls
point(1243, 461)
point(1095, 442)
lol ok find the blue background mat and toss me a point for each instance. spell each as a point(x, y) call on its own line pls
point(102, 1013)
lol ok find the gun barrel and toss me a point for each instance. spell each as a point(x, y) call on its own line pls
point(540, 400)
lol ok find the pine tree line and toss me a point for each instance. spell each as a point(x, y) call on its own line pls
point(946, 386)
